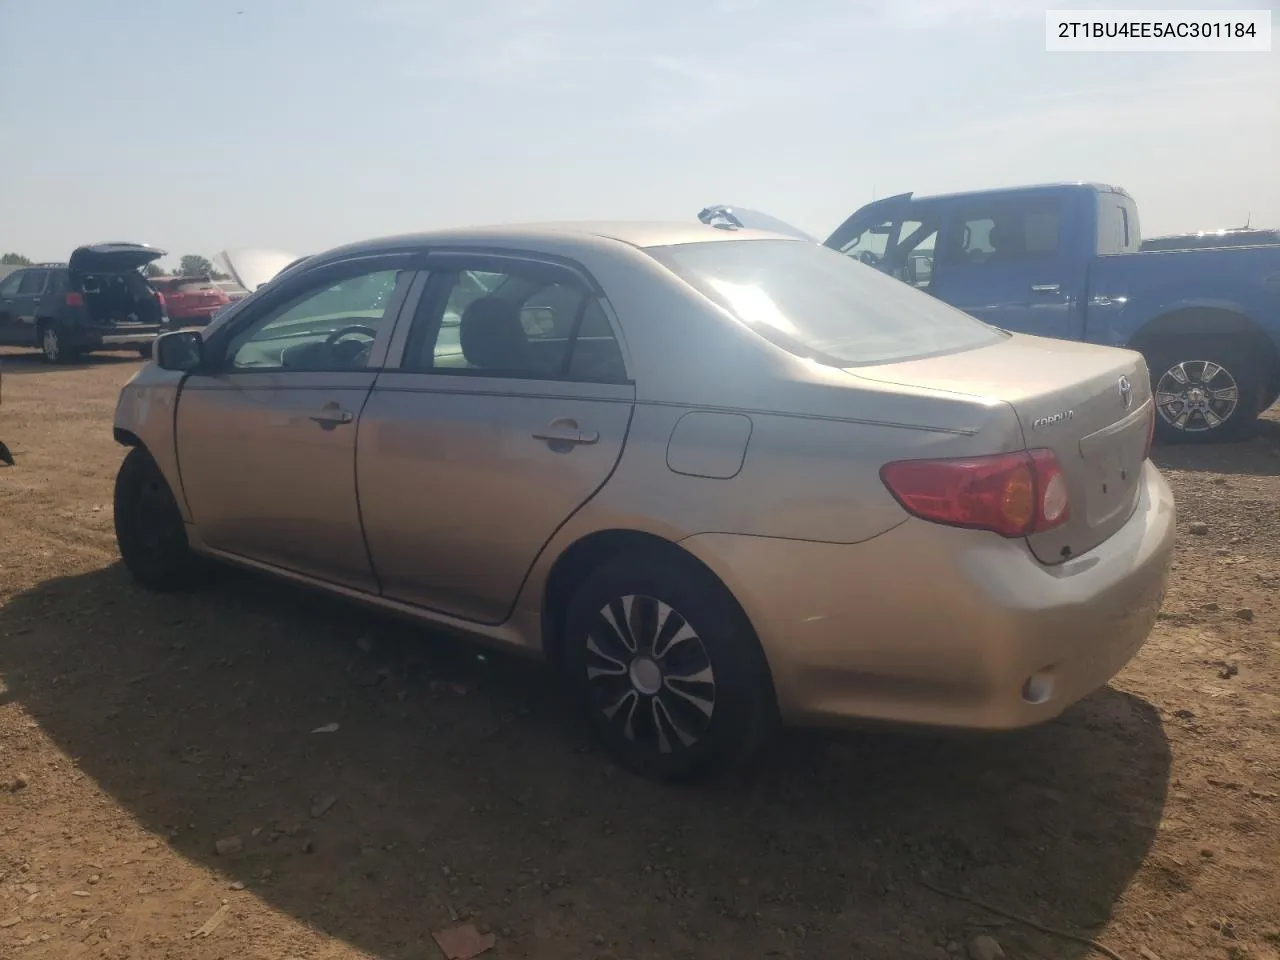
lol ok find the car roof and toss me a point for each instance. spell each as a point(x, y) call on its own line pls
point(557, 237)
point(1027, 188)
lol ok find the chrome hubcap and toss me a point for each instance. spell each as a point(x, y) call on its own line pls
point(1197, 395)
point(649, 674)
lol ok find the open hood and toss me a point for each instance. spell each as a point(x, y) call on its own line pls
point(112, 257)
point(254, 267)
point(723, 214)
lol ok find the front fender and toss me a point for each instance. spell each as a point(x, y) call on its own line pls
point(146, 416)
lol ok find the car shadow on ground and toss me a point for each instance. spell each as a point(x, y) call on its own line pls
point(15, 364)
point(458, 785)
point(1257, 456)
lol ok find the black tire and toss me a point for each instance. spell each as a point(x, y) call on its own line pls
point(1219, 420)
point(146, 351)
point(149, 530)
point(743, 712)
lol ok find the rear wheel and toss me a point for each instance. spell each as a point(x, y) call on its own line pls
point(1205, 390)
point(149, 529)
point(668, 668)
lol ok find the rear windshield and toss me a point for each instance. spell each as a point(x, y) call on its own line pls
point(817, 303)
point(191, 286)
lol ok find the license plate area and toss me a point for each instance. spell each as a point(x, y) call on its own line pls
point(1112, 460)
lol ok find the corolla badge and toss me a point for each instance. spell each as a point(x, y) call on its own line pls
point(1126, 393)
point(1053, 419)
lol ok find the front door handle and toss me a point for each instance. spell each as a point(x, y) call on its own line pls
point(565, 431)
point(1046, 288)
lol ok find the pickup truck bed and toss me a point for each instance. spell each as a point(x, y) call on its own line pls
point(1064, 261)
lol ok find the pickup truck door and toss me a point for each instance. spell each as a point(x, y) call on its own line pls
point(1008, 263)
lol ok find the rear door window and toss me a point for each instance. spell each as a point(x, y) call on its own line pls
point(1000, 231)
point(526, 321)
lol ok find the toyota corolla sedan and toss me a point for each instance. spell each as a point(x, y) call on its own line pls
point(718, 477)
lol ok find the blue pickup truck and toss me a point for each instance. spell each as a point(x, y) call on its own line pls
point(1065, 261)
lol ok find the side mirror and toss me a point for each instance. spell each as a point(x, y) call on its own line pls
point(182, 350)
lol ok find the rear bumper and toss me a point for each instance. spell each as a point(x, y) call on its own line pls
point(933, 625)
point(194, 317)
point(110, 338)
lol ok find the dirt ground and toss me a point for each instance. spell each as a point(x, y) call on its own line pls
point(136, 732)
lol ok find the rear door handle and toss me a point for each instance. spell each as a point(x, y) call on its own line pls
point(1046, 288)
point(331, 415)
point(565, 431)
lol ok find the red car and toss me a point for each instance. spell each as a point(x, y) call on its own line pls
point(191, 299)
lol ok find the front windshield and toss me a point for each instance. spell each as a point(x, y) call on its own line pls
point(817, 303)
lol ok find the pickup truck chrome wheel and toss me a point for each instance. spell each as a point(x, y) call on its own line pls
point(1195, 396)
point(650, 674)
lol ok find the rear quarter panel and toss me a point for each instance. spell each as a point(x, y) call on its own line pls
point(804, 477)
point(1128, 290)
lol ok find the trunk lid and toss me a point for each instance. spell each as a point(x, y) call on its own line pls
point(721, 213)
point(114, 257)
point(878, 211)
point(194, 293)
point(254, 267)
point(1090, 405)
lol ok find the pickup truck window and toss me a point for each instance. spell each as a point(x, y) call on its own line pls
point(814, 302)
point(870, 245)
point(1117, 224)
point(913, 256)
point(1003, 231)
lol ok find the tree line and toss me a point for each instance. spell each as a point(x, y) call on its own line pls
point(191, 265)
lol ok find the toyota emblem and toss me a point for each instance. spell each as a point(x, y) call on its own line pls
point(1126, 393)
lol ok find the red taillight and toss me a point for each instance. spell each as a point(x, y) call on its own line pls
point(160, 298)
point(1012, 494)
point(74, 299)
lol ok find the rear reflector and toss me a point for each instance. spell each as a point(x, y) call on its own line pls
point(1012, 494)
point(74, 300)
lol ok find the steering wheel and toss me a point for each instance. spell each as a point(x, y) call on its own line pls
point(337, 335)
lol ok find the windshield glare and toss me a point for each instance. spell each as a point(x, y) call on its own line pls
point(817, 303)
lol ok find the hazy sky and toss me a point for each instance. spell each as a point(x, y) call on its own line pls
point(201, 124)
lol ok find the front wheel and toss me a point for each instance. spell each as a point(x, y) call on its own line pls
point(149, 529)
point(668, 668)
point(1205, 391)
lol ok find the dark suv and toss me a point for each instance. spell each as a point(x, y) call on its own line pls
point(97, 300)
